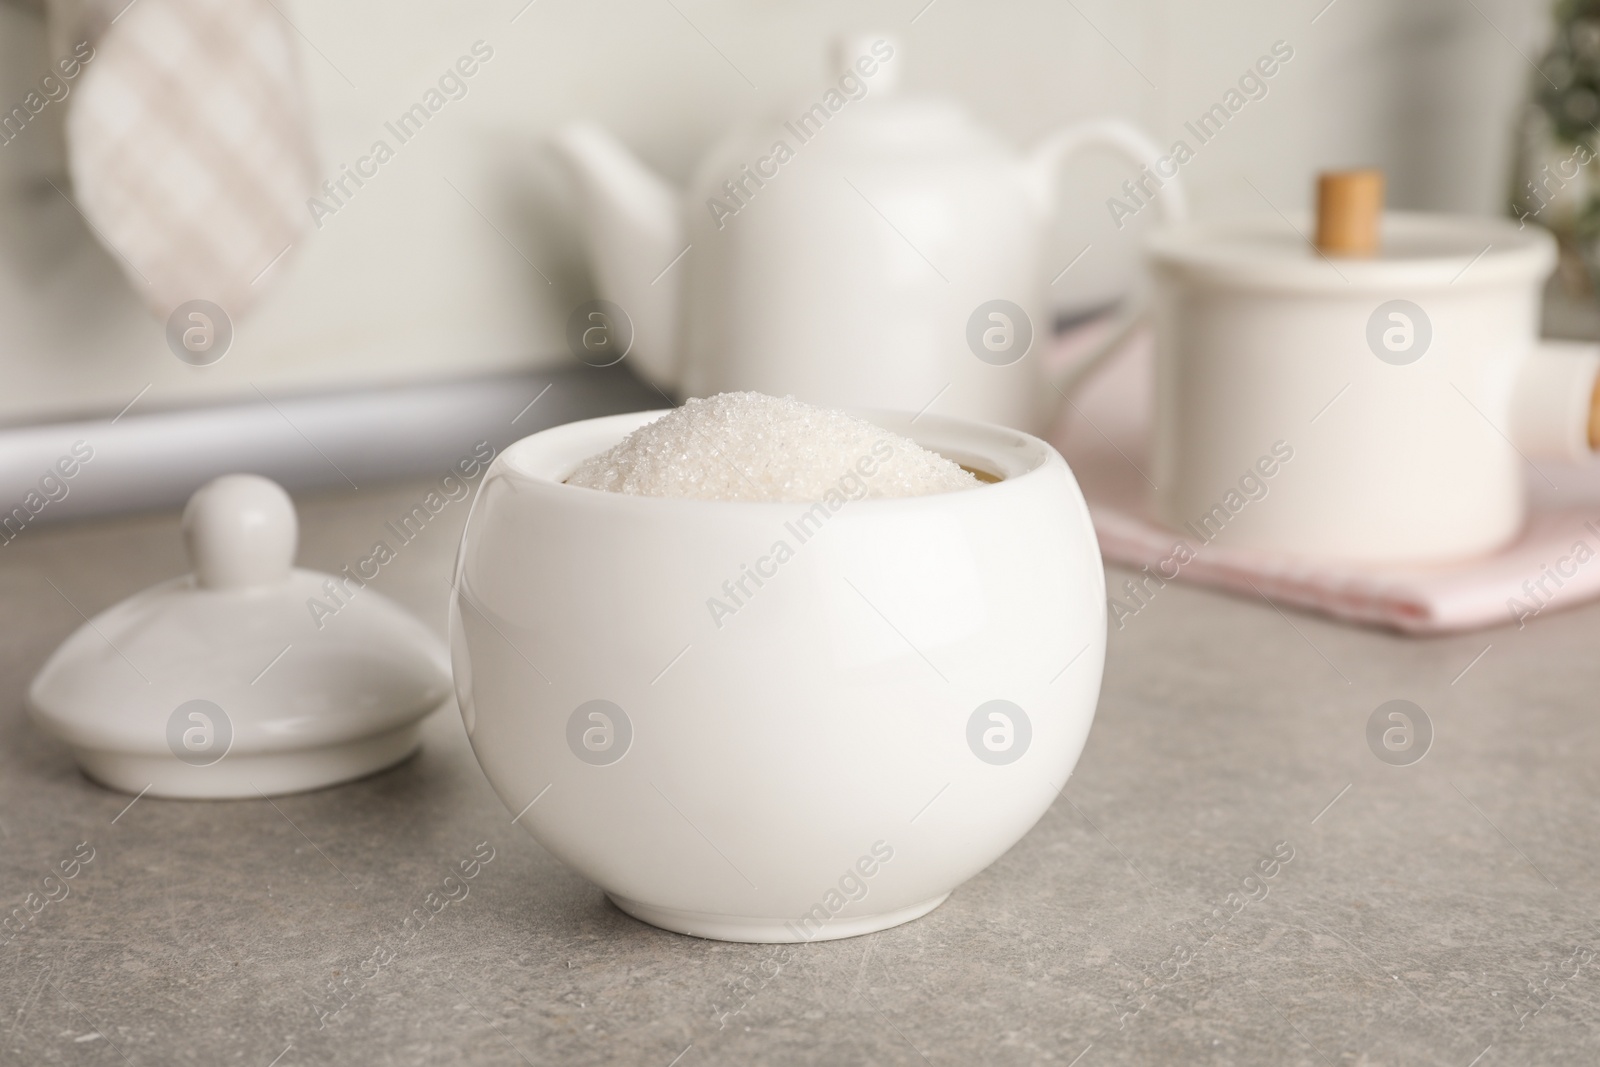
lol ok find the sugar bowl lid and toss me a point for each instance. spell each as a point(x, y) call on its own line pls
point(248, 677)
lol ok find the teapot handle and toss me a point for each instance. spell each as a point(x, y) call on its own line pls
point(1171, 203)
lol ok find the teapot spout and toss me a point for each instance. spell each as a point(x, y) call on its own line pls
point(633, 230)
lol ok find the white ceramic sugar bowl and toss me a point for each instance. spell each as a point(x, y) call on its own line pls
point(897, 694)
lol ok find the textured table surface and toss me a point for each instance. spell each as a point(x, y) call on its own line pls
point(1446, 912)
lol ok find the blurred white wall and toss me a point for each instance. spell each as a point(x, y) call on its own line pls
point(416, 280)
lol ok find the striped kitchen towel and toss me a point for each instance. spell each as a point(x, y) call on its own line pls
point(187, 141)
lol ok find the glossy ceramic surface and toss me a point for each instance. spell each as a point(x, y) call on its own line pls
point(777, 721)
point(1380, 409)
point(853, 250)
point(232, 681)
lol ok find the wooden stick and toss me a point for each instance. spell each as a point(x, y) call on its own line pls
point(1349, 209)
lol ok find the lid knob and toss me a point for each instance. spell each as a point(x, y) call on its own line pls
point(857, 53)
point(1349, 209)
point(241, 531)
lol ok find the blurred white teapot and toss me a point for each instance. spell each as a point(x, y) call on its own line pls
point(861, 249)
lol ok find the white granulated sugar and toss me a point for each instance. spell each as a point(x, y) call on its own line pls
point(750, 446)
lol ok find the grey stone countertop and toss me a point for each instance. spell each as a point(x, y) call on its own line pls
point(1446, 912)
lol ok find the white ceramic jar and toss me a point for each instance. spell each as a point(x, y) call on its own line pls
point(1380, 410)
point(827, 759)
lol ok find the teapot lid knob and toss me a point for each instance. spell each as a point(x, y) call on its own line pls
point(880, 49)
point(241, 531)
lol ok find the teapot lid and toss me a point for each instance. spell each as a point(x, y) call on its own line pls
point(248, 677)
point(863, 101)
point(1418, 251)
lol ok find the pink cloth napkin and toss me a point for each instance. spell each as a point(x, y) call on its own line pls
point(1102, 432)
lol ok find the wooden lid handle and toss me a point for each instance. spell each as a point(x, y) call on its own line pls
point(1594, 417)
point(1349, 209)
